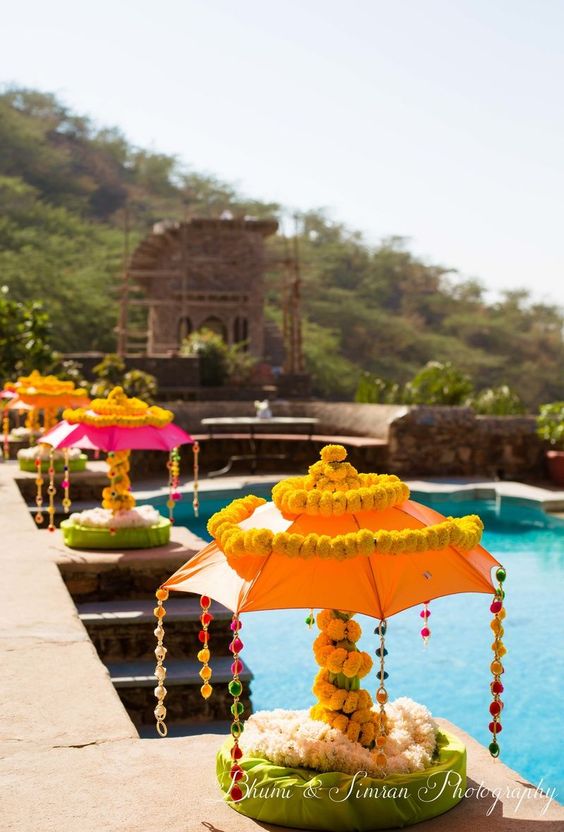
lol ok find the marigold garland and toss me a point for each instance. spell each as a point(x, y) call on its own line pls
point(462, 532)
point(120, 410)
point(342, 703)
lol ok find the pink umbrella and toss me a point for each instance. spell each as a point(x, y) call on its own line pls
point(116, 438)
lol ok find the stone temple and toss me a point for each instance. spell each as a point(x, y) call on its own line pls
point(204, 273)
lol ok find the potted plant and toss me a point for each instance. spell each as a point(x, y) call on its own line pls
point(550, 427)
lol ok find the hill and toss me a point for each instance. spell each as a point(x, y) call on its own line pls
point(64, 186)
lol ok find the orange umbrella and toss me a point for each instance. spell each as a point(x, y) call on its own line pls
point(342, 541)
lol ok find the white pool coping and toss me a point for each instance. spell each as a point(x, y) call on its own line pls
point(546, 498)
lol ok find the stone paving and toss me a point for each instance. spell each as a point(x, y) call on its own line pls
point(71, 759)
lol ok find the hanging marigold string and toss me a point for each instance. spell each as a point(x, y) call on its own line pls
point(235, 688)
point(39, 493)
point(65, 484)
point(204, 654)
point(496, 667)
point(196, 487)
point(425, 615)
point(160, 670)
point(343, 704)
point(51, 490)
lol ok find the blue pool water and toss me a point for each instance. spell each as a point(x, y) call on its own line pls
point(451, 676)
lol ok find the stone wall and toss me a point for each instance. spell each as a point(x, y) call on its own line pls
point(454, 440)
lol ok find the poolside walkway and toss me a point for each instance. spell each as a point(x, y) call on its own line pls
point(71, 759)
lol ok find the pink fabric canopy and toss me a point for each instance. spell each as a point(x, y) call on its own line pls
point(147, 437)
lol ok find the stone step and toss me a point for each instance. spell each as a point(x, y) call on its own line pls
point(123, 630)
point(135, 683)
point(178, 672)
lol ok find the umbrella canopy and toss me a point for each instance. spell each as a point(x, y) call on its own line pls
point(46, 392)
point(116, 438)
point(117, 423)
point(380, 578)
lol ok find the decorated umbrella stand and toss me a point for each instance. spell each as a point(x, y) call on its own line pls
point(119, 425)
point(42, 398)
point(342, 543)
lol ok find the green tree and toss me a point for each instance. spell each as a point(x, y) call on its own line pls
point(24, 337)
point(439, 384)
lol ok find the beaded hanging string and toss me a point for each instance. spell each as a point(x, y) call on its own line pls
point(425, 615)
point(196, 495)
point(310, 620)
point(65, 484)
point(174, 495)
point(39, 493)
point(6, 432)
point(381, 695)
point(204, 654)
point(51, 490)
point(160, 670)
point(235, 688)
point(496, 667)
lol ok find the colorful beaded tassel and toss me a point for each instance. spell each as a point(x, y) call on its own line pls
point(174, 495)
point(65, 484)
point(310, 620)
point(196, 497)
point(381, 696)
point(39, 493)
point(425, 615)
point(204, 654)
point(160, 669)
point(496, 667)
point(51, 491)
point(236, 689)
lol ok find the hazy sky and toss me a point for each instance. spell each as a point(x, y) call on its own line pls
point(439, 120)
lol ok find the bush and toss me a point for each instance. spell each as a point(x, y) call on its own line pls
point(374, 390)
point(550, 424)
point(219, 362)
point(111, 372)
point(438, 384)
point(497, 401)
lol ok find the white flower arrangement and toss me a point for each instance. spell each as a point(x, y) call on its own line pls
point(293, 739)
point(141, 517)
point(21, 434)
point(42, 452)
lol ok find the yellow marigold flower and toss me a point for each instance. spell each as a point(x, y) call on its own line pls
point(326, 504)
point(339, 503)
point(324, 546)
point(336, 659)
point(366, 499)
point(335, 629)
point(351, 702)
point(366, 665)
point(312, 503)
point(367, 733)
point(324, 618)
point(341, 723)
point(338, 550)
point(353, 501)
point(309, 546)
point(351, 546)
point(411, 540)
point(262, 542)
point(333, 453)
point(297, 502)
point(353, 731)
point(364, 700)
point(365, 541)
point(337, 699)
point(362, 715)
point(293, 545)
point(352, 664)
point(352, 630)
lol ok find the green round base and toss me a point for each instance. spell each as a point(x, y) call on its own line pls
point(84, 537)
point(74, 465)
point(305, 799)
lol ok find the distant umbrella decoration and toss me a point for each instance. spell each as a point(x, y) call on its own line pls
point(345, 543)
point(118, 425)
point(41, 398)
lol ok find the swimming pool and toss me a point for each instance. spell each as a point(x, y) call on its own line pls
point(451, 676)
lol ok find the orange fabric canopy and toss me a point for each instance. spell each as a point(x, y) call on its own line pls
point(378, 585)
